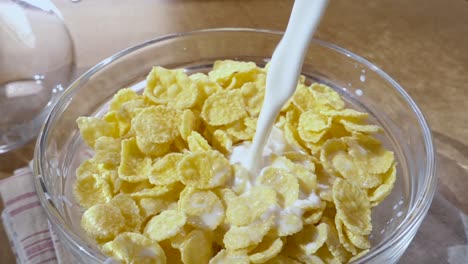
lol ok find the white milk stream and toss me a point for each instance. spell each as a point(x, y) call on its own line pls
point(285, 67)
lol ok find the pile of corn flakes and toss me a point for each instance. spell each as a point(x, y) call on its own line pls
point(160, 187)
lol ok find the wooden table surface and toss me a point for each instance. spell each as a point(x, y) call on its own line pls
point(423, 44)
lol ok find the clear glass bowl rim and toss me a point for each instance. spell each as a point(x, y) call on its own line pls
point(414, 217)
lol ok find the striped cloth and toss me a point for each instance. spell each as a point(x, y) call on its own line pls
point(31, 238)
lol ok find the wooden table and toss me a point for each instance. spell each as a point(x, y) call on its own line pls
point(423, 44)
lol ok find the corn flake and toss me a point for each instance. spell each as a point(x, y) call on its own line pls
point(204, 170)
point(224, 71)
point(91, 189)
point(253, 95)
point(171, 87)
point(311, 238)
point(134, 165)
point(378, 194)
point(223, 108)
point(203, 208)
point(188, 123)
point(103, 222)
point(251, 206)
point(157, 124)
point(196, 248)
point(129, 210)
point(107, 151)
point(92, 128)
point(266, 250)
point(230, 257)
point(135, 248)
point(352, 206)
point(326, 97)
point(197, 142)
point(241, 237)
point(165, 225)
point(164, 171)
point(282, 181)
point(344, 240)
point(222, 141)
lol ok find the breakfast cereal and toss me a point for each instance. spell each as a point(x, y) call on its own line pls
point(167, 183)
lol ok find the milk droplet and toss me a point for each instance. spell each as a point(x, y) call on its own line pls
point(359, 92)
point(362, 78)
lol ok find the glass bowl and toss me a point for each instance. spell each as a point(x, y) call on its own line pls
point(36, 63)
point(365, 87)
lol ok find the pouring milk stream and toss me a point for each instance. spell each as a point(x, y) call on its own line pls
point(285, 67)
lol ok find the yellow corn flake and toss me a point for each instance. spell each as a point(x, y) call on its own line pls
point(291, 134)
point(197, 142)
point(152, 206)
point(345, 165)
point(313, 216)
point(121, 97)
point(129, 210)
point(347, 113)
point(312, 121)
point(333, 242)
point(196, 248)
point(151, 148)
point(251, 206)
point(203, 208)
point(370, 153)
point(226, 195)
point(230, 257)
point(145, 189)
point(253, 95)
point(307, 179)
point(359, 255)
point(92, 128)
point(330, 148)
point(311, 238)
point(243, 129)
point(91, 189)
point(294, 252)
point(327, 257)
point(134, 165)
point(107, 151)
point(358, 241)
point(327, 97)
point(223, 108)
point(164, 171)
point(222, 141)
point(303, 98)
point(171, 87)
point(165, 225)
point(241, 237)
point(224, 71)
point(378, 194)
point(282, 181)
point(206, 86)
point(241, 179)
point(289, 223)
point(188, 123)
point(303, 159)
point(352, 206)
point(103, 222)
point(353, 127)
point(266, 250)
point(120, 121)
point(135, 248)
point(344, 240)
point(157, 124)
point(204, 170)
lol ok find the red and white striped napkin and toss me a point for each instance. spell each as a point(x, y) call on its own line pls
point(25, 222)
